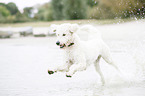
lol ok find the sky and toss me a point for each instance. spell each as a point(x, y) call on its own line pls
point(25, 3)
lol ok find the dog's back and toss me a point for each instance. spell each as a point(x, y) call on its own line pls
point(92, 32)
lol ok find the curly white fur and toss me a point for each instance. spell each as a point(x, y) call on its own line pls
point(78, 55)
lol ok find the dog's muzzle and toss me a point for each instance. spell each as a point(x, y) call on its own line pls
point(57, 43)
point(63, 45)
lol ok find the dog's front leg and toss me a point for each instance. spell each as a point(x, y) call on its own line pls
point(61, 68)
point(64, 67)
point(76, 67)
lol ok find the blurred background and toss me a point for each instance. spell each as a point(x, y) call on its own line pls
point(51, 10)
point(38, 13)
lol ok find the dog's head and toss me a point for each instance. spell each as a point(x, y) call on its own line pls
point(65, 34)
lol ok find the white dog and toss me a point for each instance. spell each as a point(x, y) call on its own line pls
point(78, 55)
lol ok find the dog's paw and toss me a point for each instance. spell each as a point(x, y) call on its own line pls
point(50, 72)
point(68, 76)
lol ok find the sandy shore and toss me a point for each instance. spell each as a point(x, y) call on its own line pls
point(24, 62)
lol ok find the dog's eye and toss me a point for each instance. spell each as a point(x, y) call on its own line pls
point(54, 30)
point(63, 34)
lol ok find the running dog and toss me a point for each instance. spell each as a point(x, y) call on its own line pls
point(78, 55)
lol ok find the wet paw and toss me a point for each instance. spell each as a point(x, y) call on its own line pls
point(50, 72)
point(68, 76)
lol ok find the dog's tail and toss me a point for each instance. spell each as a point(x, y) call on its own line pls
point(93, 33)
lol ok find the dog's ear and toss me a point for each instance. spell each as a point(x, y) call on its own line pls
point(74, 28)
point(53, 28)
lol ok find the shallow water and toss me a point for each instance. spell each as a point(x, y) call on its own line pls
point(24, 63)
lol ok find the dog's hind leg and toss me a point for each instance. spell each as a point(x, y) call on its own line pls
point(106, 55)
point(108, 58)
point(97, 67)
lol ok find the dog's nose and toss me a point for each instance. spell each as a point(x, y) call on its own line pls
point(57, 43)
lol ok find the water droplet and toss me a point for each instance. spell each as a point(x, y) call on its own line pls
point(135, 18)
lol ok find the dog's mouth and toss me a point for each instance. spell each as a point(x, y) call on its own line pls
point(62, 45)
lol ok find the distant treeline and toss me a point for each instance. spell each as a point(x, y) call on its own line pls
point(74, 9)
point(9, 13)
